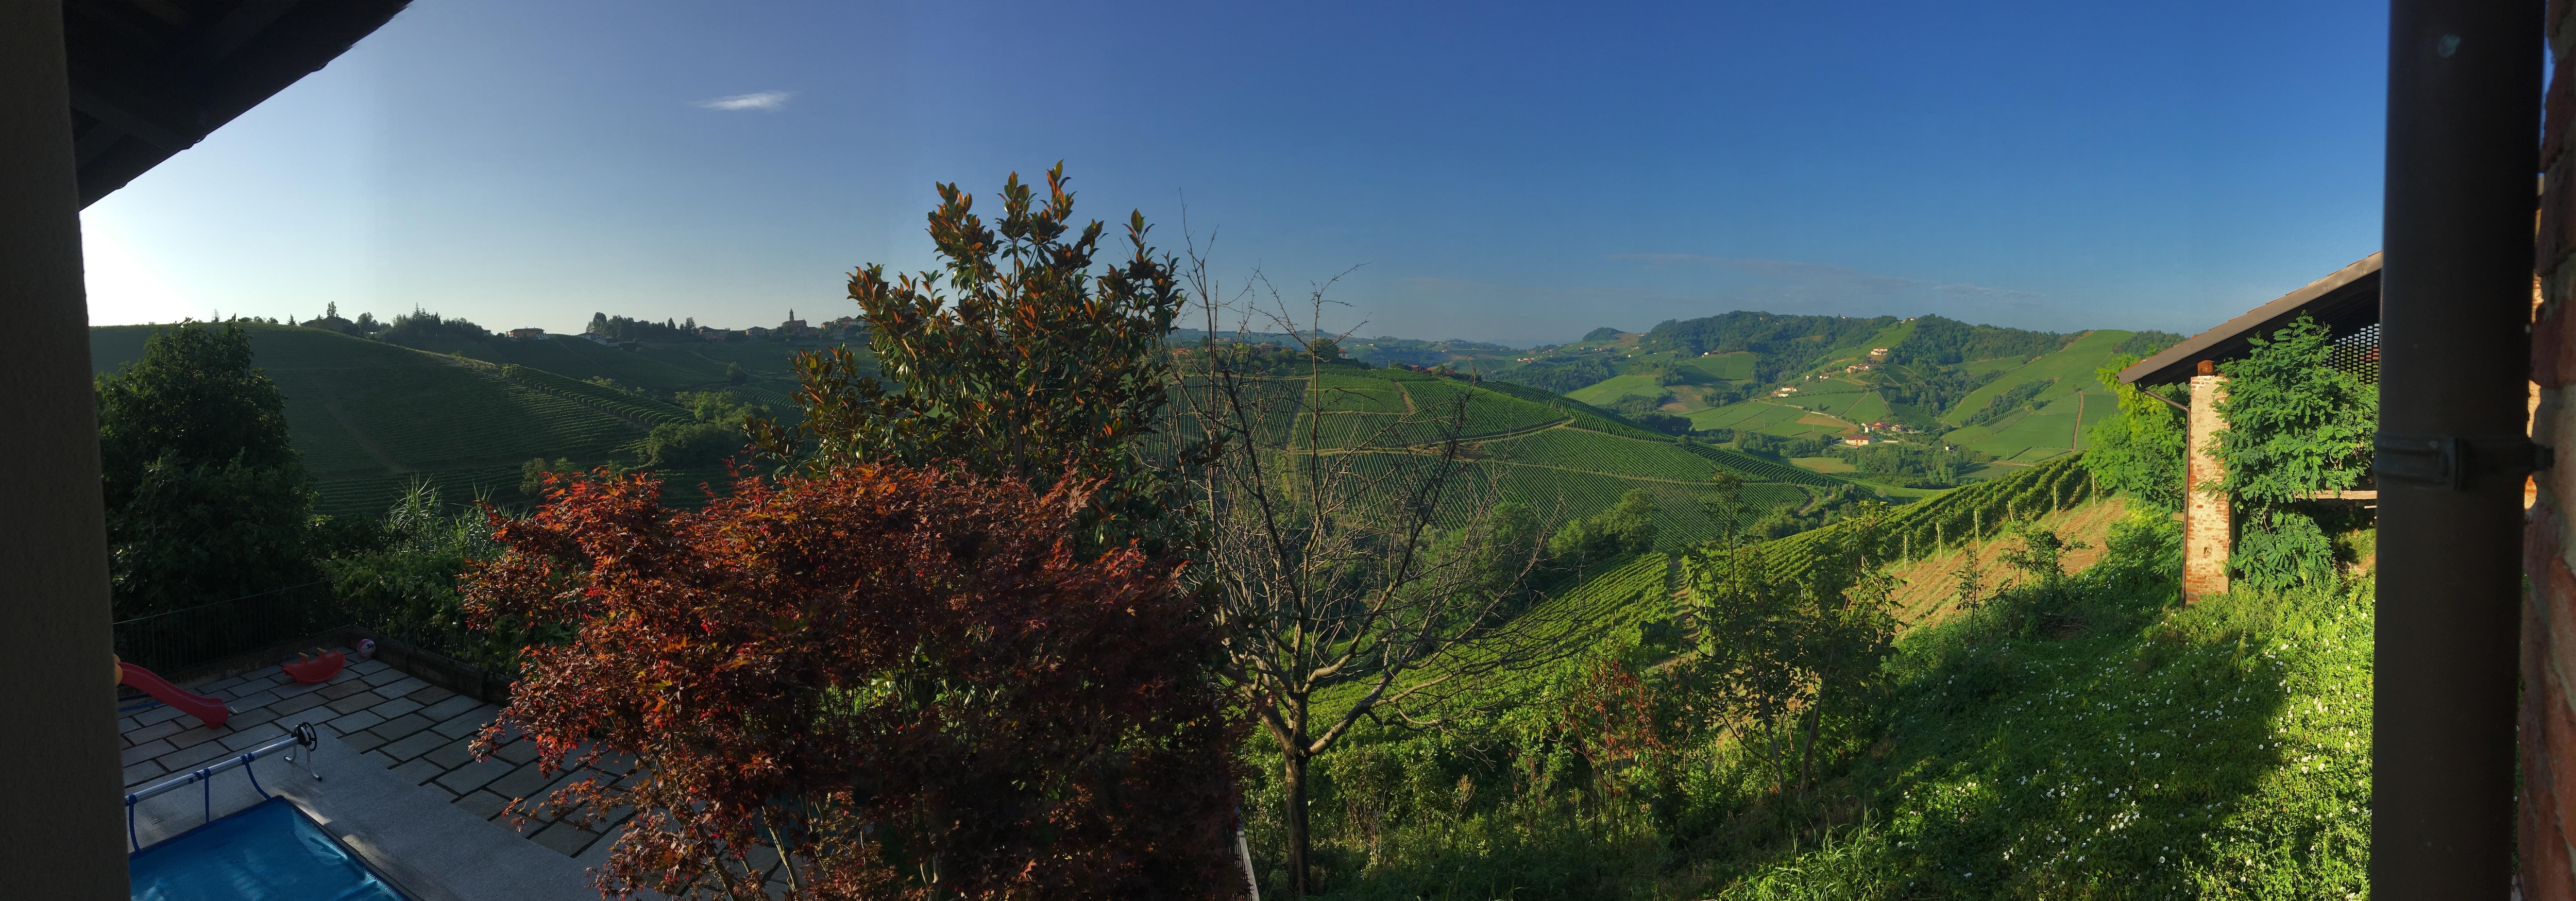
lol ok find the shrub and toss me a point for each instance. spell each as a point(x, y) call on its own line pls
point(903, 681)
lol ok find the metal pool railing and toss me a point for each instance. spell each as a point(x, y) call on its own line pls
point(305, 736)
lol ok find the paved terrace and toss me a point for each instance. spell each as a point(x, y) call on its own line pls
point(418, 733)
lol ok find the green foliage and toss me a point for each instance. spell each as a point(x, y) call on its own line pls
point(1948, 342)
point(205, 498)
point(1325, 349)
point(2295, 426)
point(2085, 741)
point(1559, 376)
point(1035, 368)
point(2139, 452)
point(404, 585)
point(1604, 333)
point(1626, 528)
point(1911, 465)
point(1787, 344)
point(1800, 643)
point(192, 399)
point(717, 434)
point(424, 330)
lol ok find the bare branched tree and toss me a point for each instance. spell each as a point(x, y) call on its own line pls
point(1365, 563)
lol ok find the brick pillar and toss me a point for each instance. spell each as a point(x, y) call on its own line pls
point(2208, 520)
point(2548, 720)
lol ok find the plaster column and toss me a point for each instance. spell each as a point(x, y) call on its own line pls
point(59, 768)
point(2208, 522)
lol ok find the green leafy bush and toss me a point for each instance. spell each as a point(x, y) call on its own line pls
point(2138, 453)
point(2296, 426)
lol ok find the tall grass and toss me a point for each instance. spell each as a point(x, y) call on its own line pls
point(2088, 738)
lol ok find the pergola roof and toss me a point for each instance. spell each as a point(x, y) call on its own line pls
point(150, 78)
point(2344, 302)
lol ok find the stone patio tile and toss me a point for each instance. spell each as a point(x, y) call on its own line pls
point(156, 730)
point(401, 687)
point(254, 697)
point(430, 695)
point(452, 706)
point(473, 775)
point(452, 754)
point(483, 804)
point(368, 667)
point(468, 723)
point(528, 781)
point(379, 758)
point(343, 676)
point(139, 773)
point(364, 741)
point(163, 713)
point(220, 685)
point(189, 758)
point(418, 744)
point(341, 689)
point(401, 726)
point(194, 735)
point(398, 707)
point(245, 739)
point(384, 674)
point(298, 703)
point(293, 688)
point(356, 702)
point(146, 751)
point(252, 717)
point(363, 719)
point(566, 839)
point(520, 751)
point(418, 771)
point(762, 858)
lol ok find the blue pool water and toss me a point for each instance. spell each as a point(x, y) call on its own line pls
point(271, 851)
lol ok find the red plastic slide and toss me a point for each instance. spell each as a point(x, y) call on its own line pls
point(210, 711)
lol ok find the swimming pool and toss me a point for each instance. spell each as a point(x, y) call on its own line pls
point(270, 851)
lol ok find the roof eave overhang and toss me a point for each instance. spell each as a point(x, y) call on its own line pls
point(2344, 301)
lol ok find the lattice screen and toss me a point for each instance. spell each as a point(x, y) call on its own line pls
point(2357, 353)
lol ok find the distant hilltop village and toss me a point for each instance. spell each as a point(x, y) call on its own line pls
point(620, 331)
point(421, 326)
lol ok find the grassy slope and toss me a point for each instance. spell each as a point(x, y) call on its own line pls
point(2152, 751)
point(369, 416)
point(2220, 751)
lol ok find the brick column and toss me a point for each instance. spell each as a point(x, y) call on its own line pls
point(2208, 520)
point(2547, 733)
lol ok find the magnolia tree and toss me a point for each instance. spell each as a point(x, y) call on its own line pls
point(904, 681)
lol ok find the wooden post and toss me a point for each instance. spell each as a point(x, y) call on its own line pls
point(2209, 523)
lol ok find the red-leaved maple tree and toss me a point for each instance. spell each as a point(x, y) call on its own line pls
point(904, 680)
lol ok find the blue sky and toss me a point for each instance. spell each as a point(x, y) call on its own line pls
point(1513, 173)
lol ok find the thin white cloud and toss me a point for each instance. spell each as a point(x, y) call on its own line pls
point(764, 100)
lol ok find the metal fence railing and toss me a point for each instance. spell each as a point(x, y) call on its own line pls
point(177, 640)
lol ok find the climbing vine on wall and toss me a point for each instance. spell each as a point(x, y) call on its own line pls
point(2296, 426)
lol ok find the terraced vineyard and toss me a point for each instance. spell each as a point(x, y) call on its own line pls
point(1559, 456)
point(370, 417)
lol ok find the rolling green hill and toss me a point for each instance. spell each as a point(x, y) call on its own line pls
point(369, 416)
point(1560, 456)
